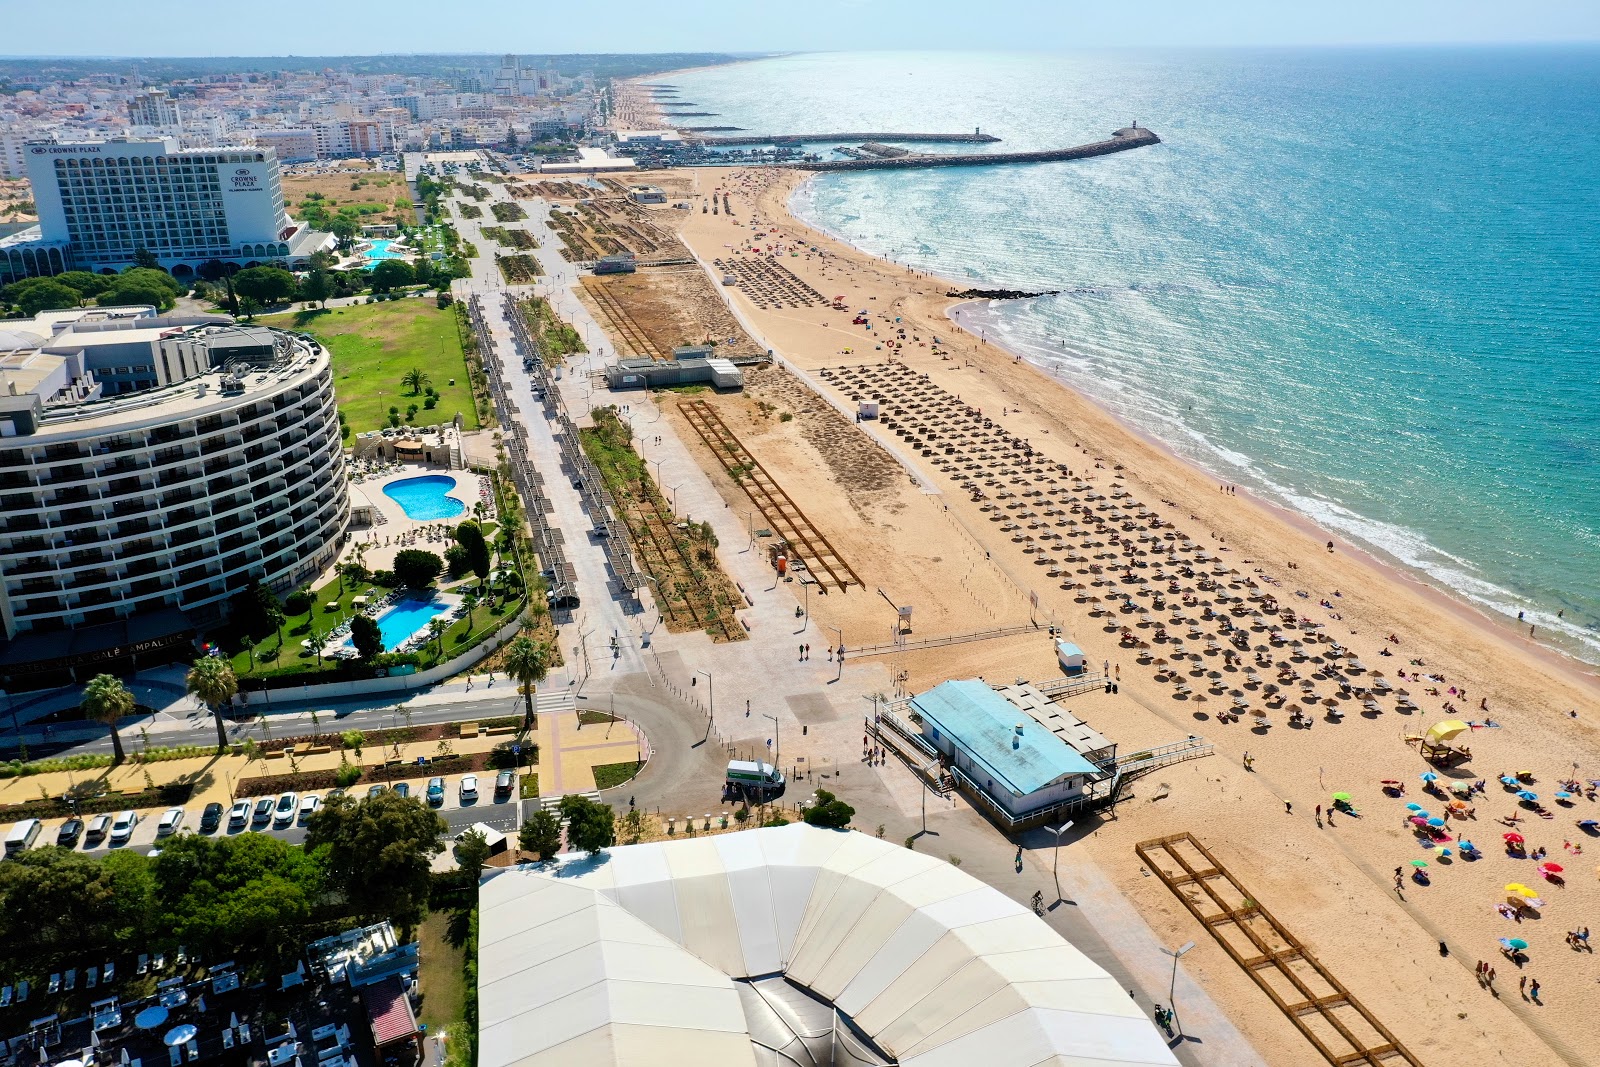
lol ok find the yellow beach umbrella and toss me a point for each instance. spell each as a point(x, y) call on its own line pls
point(1445, 731)
point(1521, 890)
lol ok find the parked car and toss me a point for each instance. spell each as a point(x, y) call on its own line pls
point(309, 805)
point(211, 818)
point(239, 815)
point(435, 792)
point(376, 790)
point(504, 783)
point(469, 787)
point(287, 804)
point(71, 830)
point(97, 829)
point(122, 826)
point(263, 813)
point(171, 819)
point(401, 789)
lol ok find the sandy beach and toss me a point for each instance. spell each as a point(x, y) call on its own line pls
point(929, 535)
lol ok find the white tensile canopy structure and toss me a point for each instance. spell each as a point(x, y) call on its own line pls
point(642, 956)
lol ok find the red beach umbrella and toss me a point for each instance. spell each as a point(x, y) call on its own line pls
point(1516, 838)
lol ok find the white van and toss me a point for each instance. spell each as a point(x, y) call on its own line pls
point(23, 835)
point(753, 777)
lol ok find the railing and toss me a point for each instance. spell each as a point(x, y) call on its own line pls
point(1072, 686)
point(1098, 794)
point(1146, 760)
point(939, 642)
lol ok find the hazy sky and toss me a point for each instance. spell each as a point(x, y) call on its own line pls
point(343, 27)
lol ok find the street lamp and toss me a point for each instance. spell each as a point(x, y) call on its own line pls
point(711, 694)
point(673, 489)
point(1056, 864)
point(1172, 990)
point(777, 743)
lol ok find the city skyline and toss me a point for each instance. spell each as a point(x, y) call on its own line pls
point(830, 25)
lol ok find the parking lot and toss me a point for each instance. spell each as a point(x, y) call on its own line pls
point(501, 812)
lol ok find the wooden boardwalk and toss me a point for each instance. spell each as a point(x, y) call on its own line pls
point(1337, 1024)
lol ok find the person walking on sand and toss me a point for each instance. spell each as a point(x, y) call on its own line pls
point(1288, 808)
point(1533, 991)
point(1319, 816)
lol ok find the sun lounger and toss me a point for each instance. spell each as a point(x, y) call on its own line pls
point(108, 972)
point(70, 981)
point(5, 997)
point(91, 979)
point(227, 1038)
point(174, 1056)
point(55, 984)
point(22, 991)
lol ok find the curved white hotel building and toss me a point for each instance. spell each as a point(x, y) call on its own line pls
point(150, 468)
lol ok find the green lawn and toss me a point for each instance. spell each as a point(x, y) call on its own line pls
point(611, 775)
point(441, 978)
point(374, 345)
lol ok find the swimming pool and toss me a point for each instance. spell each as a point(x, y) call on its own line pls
point(424, 498)
point(381, 251)
point(406, 618)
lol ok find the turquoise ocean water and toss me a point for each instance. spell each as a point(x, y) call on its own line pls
point(1366, 284)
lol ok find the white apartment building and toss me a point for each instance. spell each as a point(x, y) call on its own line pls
point(291, 144)
point(150, 469)
point(154, 109)
point(101, 202)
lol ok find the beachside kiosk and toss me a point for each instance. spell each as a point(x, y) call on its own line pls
point(1071, 658)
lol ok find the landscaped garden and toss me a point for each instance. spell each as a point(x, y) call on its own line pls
point(375, 345)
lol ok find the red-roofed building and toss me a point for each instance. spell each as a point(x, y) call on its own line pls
point(394, 1025)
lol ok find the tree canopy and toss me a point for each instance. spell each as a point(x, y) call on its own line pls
point(527, 661)
point(417, 567)
point(590, 826)
point(390, 274)
point(34, 295)
point(269, 285)
point(469, 535)
point(212, 682)
point(829, 811)
point(366, 636)
point(54, 900)
point(379, 852)
point(541, 834)
point(472, 852)
point(220, 893)
point(106, 699)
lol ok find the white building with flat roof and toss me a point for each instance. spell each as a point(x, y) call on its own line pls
point(101, 203)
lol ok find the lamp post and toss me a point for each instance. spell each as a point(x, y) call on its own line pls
point(711, 695)
point(1172, 990)
point(777, 743)
point(1056, 862)
point(673, 489)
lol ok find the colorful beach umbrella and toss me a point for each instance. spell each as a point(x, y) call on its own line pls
point(1341, 796)
point(1551, 868)
point(1563, 796)
point(1445, 731)
point(1429, 776)
point(1419, 864)
point(1520, 889)
point(1413, 807)
point(1506, 779)
point(1527, 794)
point(1515, 944)
point(1436, 822)
point(1441, 851)
point(1515, 839)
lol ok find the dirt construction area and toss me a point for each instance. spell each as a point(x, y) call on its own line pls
point(670, 307)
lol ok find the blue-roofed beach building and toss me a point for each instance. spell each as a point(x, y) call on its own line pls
point(1029, 758)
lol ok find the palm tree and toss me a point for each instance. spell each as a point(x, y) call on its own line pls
point(415, 379)
point(106, 699)
point(470, 602)
point(436, 629)
point(211, 681)
point(526, 662)
point(318, 641)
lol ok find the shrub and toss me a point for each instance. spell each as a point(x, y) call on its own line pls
point(347, 775)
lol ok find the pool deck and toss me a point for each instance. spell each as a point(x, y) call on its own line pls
point(386, 538)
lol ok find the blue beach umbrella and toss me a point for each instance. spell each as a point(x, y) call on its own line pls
point(1506, 779)
point(1563, 796)
point(1436, 822)
point(1413, 807)
point(1515, 944)
point(1429, 776)
point(1527, 794)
